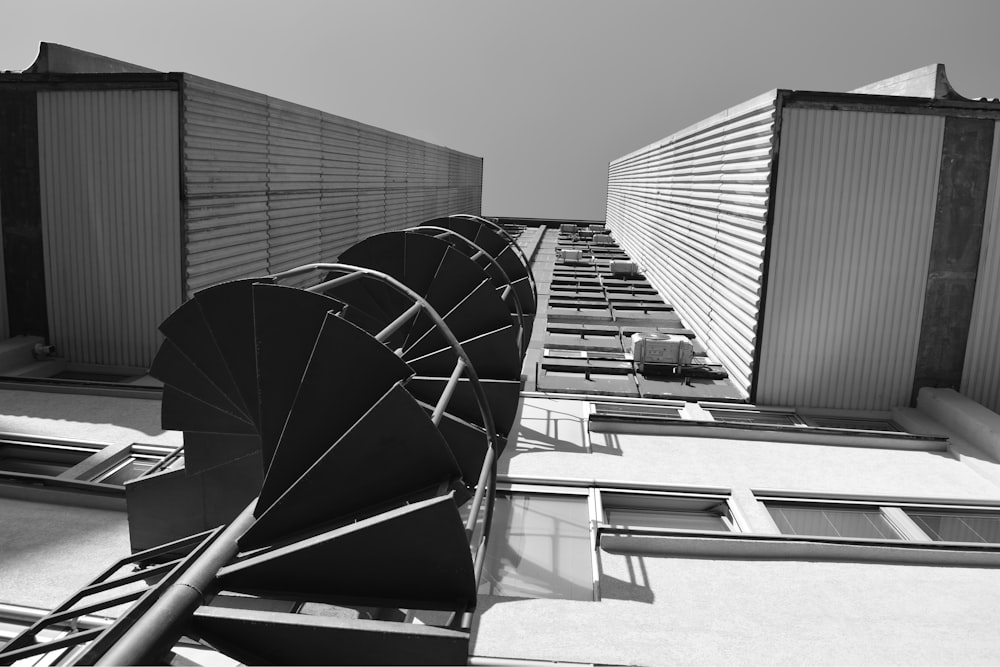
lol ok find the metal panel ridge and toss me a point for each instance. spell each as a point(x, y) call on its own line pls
point(853, 221)
point(981, 372)
point(110, 195)
point(692, 210)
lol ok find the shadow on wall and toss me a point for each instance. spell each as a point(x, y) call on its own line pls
point(605, 443)
point(531, 440)
point(634, 587)
point(23, 412)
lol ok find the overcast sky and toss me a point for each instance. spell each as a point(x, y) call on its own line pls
point(547, 91)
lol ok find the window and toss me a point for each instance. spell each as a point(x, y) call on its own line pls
point(957, 526)
point(139, 461)
point(640, 411)
point(539, 547)
point(884, 521)
point(629, 512)
point(832, 521)
point(852, 423)
point(37, 458)
point(745, 416)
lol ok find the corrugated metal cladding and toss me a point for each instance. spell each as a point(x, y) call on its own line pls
point(981, 373)
point(851, 235)
point(692, 210)
point(108, 166)
point(4, 318)
point(271, 185)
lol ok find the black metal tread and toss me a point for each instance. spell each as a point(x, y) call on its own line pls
point(348, 371)
point(395, 445)
point(416, 555)
point(280, 638)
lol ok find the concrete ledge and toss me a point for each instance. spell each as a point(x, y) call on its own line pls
point(777, 547)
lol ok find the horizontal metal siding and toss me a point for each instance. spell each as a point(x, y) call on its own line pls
point(981, 373)
point(272, 185)
point(225, 182)
point(853, 221)
point(692, 210)
point(108, 163)
point(4, 318)
point(295, 185)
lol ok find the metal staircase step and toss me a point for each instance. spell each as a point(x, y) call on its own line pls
point(416, 555)
point(278, 638)
point(394, 443)
point(348, 371)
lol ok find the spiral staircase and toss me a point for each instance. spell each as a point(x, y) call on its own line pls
point(345, 433)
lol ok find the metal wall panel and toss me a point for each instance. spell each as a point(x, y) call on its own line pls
point(981, 372)
point(110, 192)
point(4, 319)
point(853, 221)
point(692, 210)
point(225, 182)
point(272, 185)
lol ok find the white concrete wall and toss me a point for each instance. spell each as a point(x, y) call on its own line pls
point(717, 612)
point(659, 610)
point(48, 551)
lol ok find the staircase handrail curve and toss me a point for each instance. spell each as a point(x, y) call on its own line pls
point(517, 248)
point(493, 262)
point(477, 388)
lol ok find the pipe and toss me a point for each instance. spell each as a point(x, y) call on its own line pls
point(159, 628)
point(449, 389)
point(393, 326)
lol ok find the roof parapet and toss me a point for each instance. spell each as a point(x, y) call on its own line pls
point(58, 59)
point(930, 82)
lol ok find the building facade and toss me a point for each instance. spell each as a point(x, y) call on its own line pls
point(642, 509)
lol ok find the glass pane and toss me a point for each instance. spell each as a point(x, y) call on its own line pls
point(40, 460)
point(638, 410)
point(128, 470)
point(749, 417)
point(637, 518)
point(955, 527)
point(832, 522)
point(539, 548)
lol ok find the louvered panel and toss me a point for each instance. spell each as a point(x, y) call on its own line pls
point(853, 223)
point(294, 147)
point(225, 139)
point(293, 230)
point(692, 209)
point(395, 209)
point(228, 236)
point(273, 184)
point(981, 373)
point(225, 179)
point(395, 161)
point(338, 222)
point(110, 195)
point(371, 158)
point(4, 317)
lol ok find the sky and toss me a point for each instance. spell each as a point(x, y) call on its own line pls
point(548, 92)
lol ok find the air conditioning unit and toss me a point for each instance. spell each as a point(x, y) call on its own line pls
point(571, 256)
point(661, 349)
point(567, 228)
point(603, 239)
point(621, 267)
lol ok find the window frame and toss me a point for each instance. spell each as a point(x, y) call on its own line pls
point(667, 501)
point(157, 454)
point(893, 510)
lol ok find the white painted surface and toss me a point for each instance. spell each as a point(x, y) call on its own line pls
point(981, 373)
point(110, 208)
point(850, 245)
point(691, 209)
